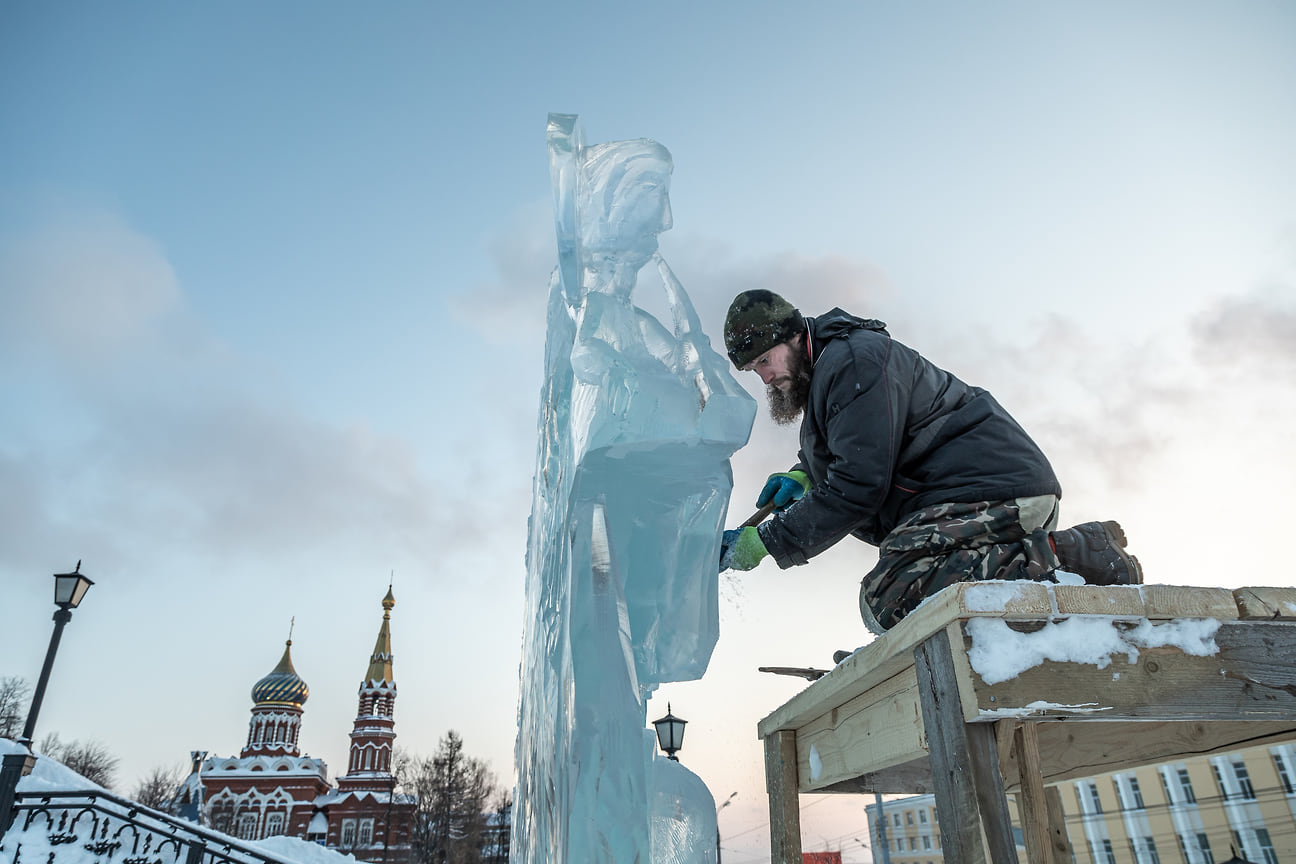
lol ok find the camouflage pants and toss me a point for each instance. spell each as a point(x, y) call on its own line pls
point(940, 545)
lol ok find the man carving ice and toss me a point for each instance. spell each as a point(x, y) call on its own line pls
point(905, 456)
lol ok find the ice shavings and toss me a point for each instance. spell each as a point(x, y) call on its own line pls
point(1000, 653)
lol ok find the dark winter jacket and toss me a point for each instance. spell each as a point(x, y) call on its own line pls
point(886, 433)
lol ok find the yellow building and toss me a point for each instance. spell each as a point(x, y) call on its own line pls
point(1200, 810)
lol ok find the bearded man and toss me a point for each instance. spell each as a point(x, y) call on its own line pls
point(905, 456)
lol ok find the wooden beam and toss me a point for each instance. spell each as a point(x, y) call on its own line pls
point(784, 808)
point(995, 820)
point(1058, 839)
point(1031, 803)
point(952, 778)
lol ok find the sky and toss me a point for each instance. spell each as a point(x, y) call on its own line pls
point(272, 293)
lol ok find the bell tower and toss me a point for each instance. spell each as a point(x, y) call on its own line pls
point(370, 762)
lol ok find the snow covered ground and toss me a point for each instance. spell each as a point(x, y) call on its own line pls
point(35, 844)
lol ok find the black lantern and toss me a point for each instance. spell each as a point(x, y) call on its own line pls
point(69, 588)
point(670, 733)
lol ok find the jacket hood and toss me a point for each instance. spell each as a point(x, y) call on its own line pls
point(836, 322)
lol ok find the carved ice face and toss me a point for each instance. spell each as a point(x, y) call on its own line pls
point(624, 199)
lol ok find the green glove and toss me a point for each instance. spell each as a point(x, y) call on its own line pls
point(783, 489)
point(741, 549)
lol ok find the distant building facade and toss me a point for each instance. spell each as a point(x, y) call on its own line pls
point(271, 788)
point(1202, 810)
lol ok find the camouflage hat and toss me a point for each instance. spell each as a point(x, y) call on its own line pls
point(757, 321)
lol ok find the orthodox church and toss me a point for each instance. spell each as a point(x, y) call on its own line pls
point(271, 788)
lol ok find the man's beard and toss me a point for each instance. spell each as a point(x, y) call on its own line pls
point(785, 406)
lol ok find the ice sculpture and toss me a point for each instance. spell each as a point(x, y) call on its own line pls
point(637, 422)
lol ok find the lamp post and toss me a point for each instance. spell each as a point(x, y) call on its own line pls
point(727, 802)
point(69, 588)
point(670, 733)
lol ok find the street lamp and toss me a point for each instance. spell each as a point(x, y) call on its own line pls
point(69, 588)
point(670, 733)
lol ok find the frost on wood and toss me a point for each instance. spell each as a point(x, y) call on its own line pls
point(638, 419)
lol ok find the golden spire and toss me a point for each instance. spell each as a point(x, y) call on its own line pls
point(380, 664)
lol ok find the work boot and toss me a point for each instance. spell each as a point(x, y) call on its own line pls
point(1095, 551)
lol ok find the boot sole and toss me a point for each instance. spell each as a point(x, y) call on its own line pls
point(1132, 566)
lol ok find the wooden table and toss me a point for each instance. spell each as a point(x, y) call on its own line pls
point(1191, 671)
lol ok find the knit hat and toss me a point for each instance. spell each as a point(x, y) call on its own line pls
point(757, 321)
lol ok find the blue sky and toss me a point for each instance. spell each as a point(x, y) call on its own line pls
point(272, 299)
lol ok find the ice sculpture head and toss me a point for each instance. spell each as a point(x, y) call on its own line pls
point(757, 321)
point(624, 199)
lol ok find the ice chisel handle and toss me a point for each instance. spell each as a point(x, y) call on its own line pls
point(759, 516)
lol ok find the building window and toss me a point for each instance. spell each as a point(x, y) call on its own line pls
point(899, 844)
point(274, 824)
point(1266, 846)
point(1136, 793)
point(1203, 846)
point(913, 844)
point(366, 832)
point(1094, 799)
point(922, 817)
point(908, 817)
point(926, 842)
point(1244, 780)
point(1109, 854)
point(1150, 845)
point(348, 833)
point(896, 817)
point(1219, 781)
point(1284, 776)
point(247, 826)
point(1185, 783)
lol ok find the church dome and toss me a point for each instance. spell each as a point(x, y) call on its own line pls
point(283, 686)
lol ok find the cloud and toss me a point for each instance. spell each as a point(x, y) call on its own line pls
point(84, 287)
point(1253, 334)
point(144, 435)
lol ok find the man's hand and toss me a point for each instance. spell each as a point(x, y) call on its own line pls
point(783, 489)
point(741, 549)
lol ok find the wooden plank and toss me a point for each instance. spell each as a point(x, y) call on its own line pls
point(1180, 601)
point(1250, 677)
point(1079, 749)
point(995, 820)
point(1031, 803)
point(952, 777)
point(1059, 842)
point(784, 807)
point(870, 733)
point(1268, 603)
point(1125, 601)
point(892, 652)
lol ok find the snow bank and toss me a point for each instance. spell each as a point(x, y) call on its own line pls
point(999, 653)
point(48, 775)
point(301, 851)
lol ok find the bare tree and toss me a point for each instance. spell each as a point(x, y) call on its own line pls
point(454, 791)
point(158, 788)
point(91, 759)
point(14, 691)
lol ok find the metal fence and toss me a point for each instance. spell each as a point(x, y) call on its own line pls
point(113, 830)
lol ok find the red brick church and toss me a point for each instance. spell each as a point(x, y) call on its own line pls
point(271, 788)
